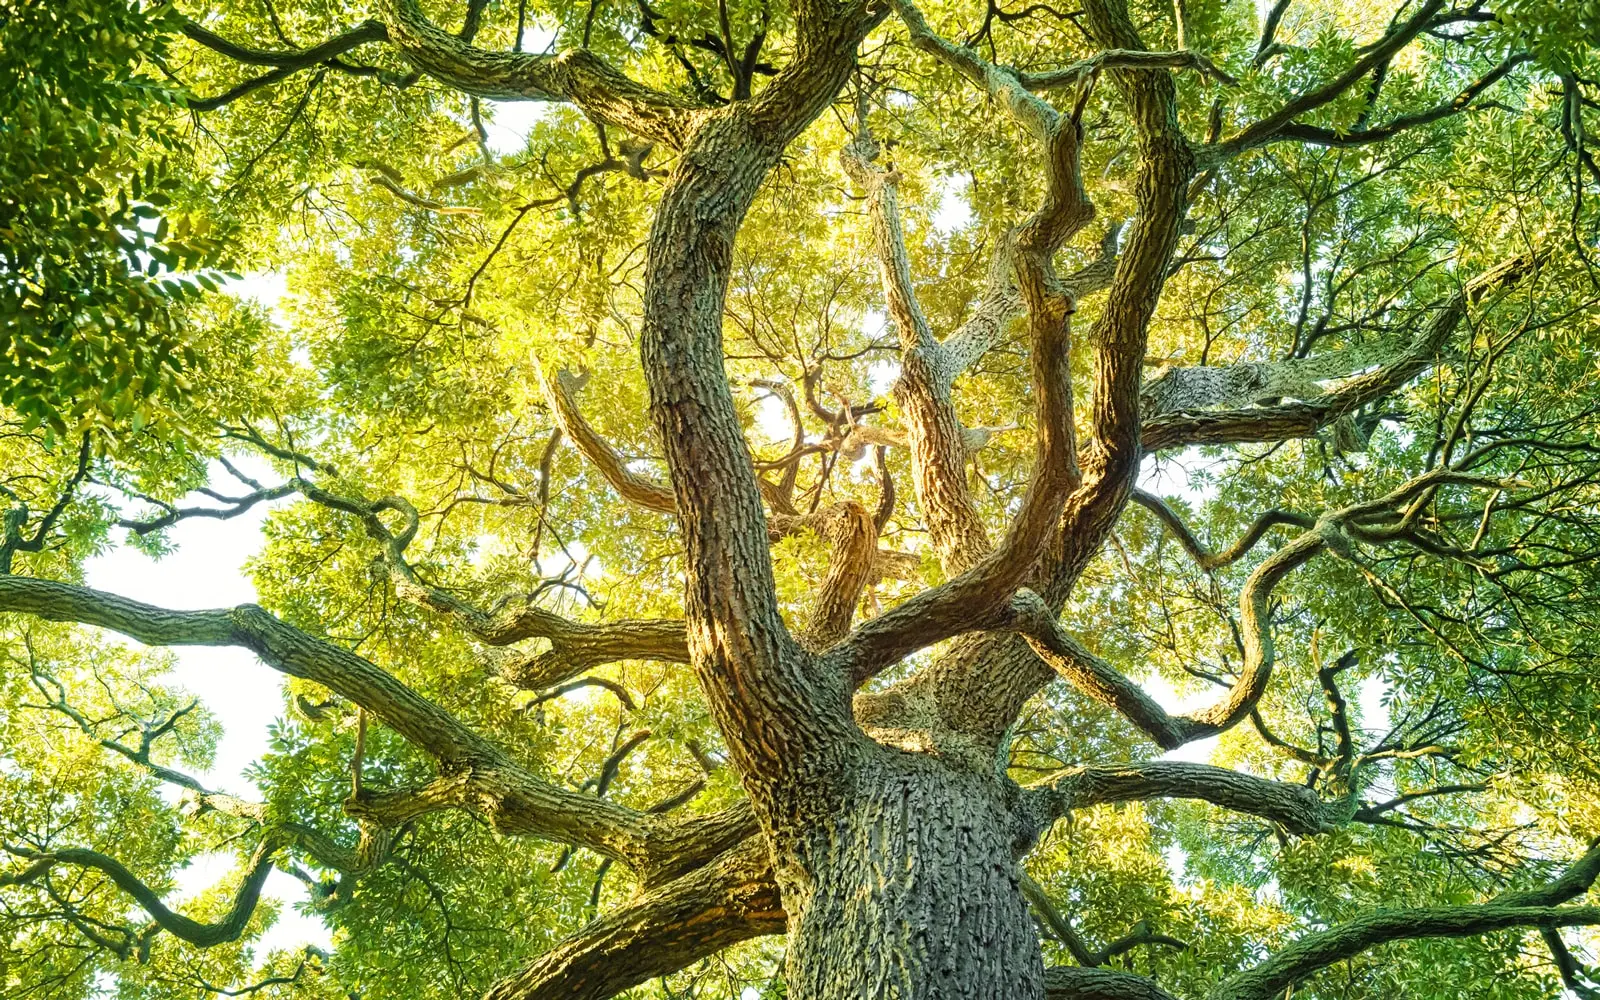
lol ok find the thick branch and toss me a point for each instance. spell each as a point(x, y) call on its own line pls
point(1305, 417)
point(979, 686)
point(730, 900)
point(486, 780)
point(1205, 387)
point(1294, 807)
point(989, 576)
point(775, 711)
point(853, 537)
point(933, 431)
point(575, 75)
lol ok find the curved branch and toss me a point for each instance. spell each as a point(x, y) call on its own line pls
point(1111, 462)
point(578, 646)
point(12, 519)
point(988, 575)
point(635, 488)
point(1061, 927)
point(483, 778)
point(232, 507)
point(285, 63)
point(852, 558)
point(575, 75)
point(1204, 557)
point(583, 682)
point(831, 522)
point(1304, 418)
point(732, 899)
point(1103, 682)
point(202, 935)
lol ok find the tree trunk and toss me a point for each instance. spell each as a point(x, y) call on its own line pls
point(909, 889)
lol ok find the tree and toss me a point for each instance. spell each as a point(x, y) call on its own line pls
point(613, 636)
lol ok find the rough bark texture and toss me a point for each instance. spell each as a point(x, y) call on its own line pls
point(909, 888)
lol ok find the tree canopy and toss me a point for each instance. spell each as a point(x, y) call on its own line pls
point(846, 498)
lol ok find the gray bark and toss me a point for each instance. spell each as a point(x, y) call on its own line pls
point(911, 889)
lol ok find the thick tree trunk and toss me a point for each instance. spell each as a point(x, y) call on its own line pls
point(910, 890)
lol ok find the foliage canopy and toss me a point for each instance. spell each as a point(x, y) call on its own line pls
point(1082, 385)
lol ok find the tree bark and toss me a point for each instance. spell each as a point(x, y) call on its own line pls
point(910, 889)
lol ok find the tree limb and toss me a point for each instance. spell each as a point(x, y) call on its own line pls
point(575, 75)
point(1303, 418)
point(1539, 907)
point(1294, 807)
point(202, 935)
point(486, 780)
point(1067, 982)
point(1205, 558)
point(1397, 38)
point(732, 899)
